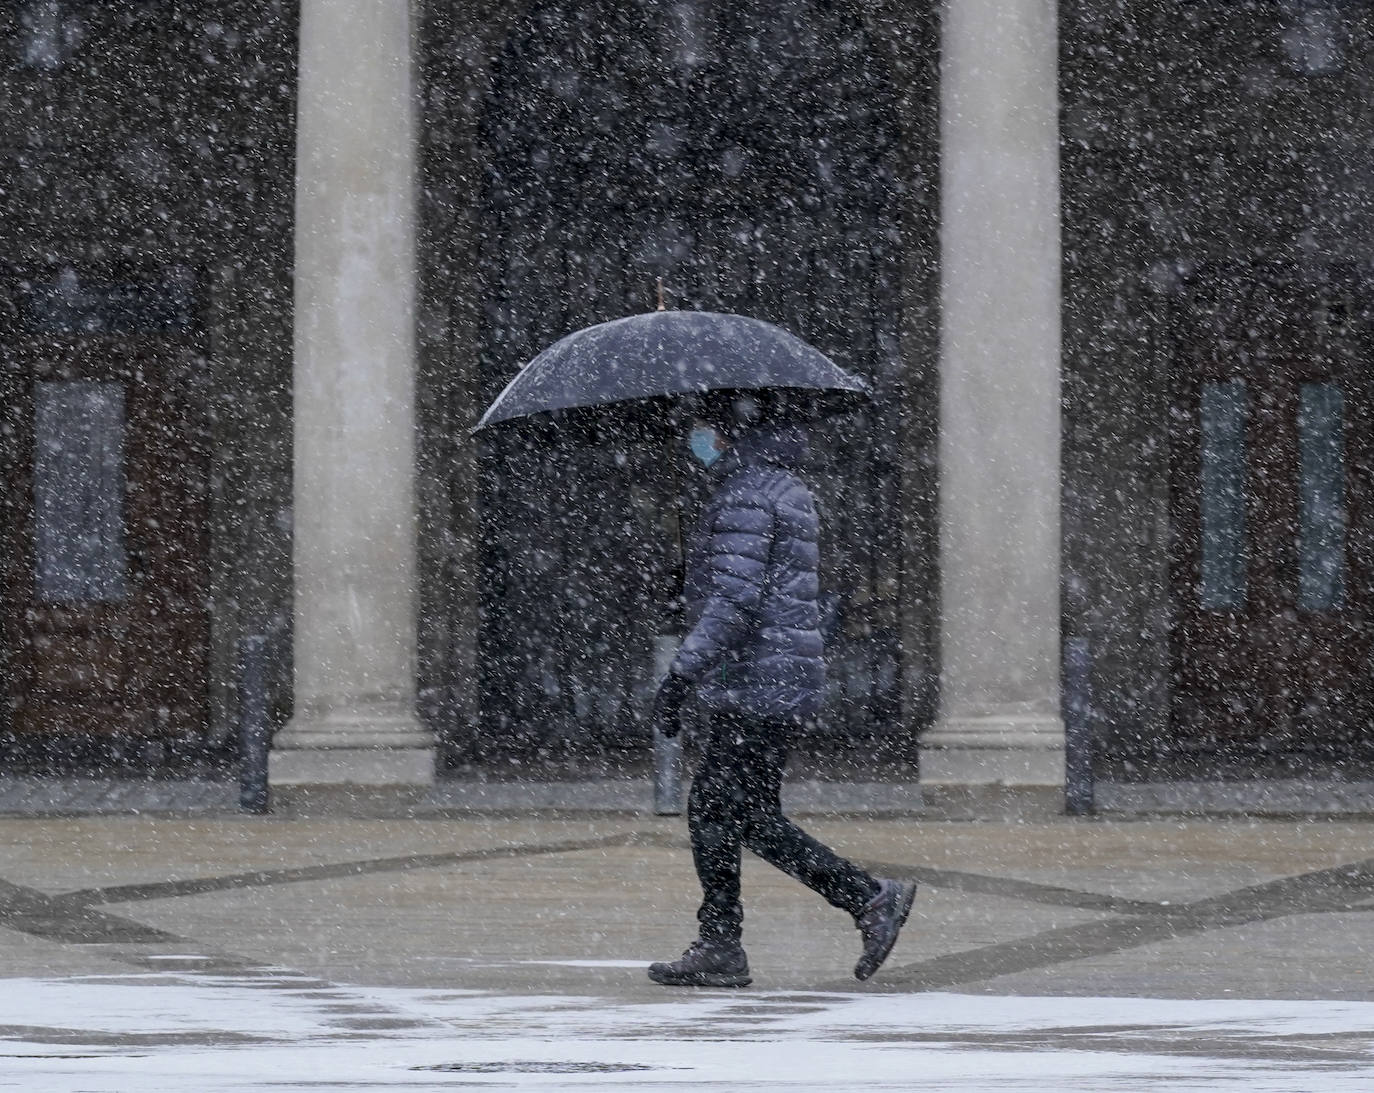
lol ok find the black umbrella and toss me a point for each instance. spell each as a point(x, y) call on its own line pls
point(675, 353)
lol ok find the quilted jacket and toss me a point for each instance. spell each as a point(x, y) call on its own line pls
point(752, 585)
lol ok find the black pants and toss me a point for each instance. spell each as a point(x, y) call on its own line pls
point(734, 802)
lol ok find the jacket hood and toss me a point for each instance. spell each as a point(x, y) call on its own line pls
point(782, 445)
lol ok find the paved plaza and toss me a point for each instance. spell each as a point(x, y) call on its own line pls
point(508, 951)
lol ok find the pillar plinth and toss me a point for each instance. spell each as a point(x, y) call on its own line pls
point(354, 507)
point(999, 391)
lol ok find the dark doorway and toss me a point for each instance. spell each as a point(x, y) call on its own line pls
point(105, 613)
point(1272, 390)
point(748, 154)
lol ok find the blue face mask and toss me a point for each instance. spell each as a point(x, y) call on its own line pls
point(704, 444)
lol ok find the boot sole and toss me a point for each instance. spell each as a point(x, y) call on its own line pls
point(700, 979)
point(904, 912)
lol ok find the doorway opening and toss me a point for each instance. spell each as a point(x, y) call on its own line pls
point(1272, 433)
point(104, 614)
point(748, 155)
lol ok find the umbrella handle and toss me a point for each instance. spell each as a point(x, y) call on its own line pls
point(679, 569)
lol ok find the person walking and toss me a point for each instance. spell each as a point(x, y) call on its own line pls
point(755, 658)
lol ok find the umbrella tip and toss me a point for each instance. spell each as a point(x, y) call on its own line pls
point(661, 306)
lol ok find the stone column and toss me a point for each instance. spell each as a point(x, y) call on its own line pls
point(354, 523)
point(999, 398)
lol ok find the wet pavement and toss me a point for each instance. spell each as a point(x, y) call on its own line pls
point(508, 951)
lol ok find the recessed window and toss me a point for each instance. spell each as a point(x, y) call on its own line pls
point(72, 304)
point(1321, 476)
point(78, 492)
point(1314, 36)
point(50, 33)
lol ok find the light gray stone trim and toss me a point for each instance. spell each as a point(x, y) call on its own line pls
point(1279, 797)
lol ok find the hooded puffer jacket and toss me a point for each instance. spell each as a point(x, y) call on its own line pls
point(753, 584)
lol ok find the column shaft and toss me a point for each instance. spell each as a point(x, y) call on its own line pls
point(354, 509)
point(999, 413)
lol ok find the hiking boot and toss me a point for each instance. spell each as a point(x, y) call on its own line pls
point(881, 921)
point(705, 964)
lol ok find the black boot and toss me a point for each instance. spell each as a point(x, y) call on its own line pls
point(705, 964)
point(881, 921)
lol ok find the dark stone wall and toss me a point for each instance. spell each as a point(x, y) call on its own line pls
point(1200, 140)
point(153, 144)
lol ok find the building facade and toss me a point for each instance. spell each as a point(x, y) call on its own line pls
point(1104, 264)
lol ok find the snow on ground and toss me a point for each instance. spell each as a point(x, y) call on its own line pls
point(277, 1030)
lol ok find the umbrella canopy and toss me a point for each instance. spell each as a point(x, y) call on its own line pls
point(672, 353)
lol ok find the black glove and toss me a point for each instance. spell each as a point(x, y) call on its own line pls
point(667, 711)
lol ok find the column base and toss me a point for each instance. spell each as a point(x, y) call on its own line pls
point(359, 748)
point(1006, 750)
point(351, 767)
